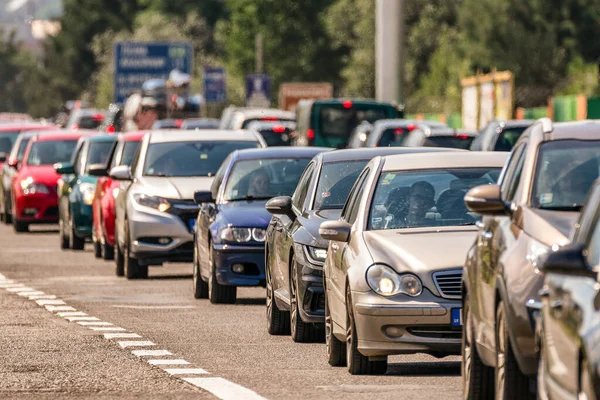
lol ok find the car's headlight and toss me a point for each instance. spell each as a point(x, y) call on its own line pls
point(158, 203)
point(30, 187)
point(243, 235)
point(259, 234)
point(536, 253)
point(316, 254)
point(387, 282)
point(88, 191)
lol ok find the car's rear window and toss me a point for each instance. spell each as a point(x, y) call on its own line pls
point(335, 181)
point(393, 137)
point(454, 142)
point(340, 121)
point(507, 138)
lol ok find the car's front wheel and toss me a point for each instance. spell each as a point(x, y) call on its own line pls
point(358, 364)
point(75, 242)
point(133, 269)
point(200, 287)
point(336, 349)
point(478, 379)
point(108, 251)
point(217, 293)
point(97, 248)
point(62, 236)
point(7, 217)
point(511, 384)
point(119, 258)
point(278, 321)
point(302, 332)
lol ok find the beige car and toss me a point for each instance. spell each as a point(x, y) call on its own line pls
point(394, 264)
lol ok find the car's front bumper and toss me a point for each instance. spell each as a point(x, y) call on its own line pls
point(251, 257)
point(146, 228)
point(37, 208)
point(403, 325)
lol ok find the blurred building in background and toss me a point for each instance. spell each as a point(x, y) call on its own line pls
point(30, 20)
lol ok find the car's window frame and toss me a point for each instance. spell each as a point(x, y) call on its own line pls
point(304, 184)
point(356, 194)
point(593, 230)
point(115, 154)
point(80, 157)
point(222, 175)
point(508, 176)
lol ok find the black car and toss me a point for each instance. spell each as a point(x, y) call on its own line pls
point(294, 250)
point(500, 135)
point(569, 322)
point(440, 137)
point(230, 229)
point(275, 133)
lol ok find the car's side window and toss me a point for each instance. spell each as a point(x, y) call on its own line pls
point(593, 246)
point(214, 189)
point(136, 159)
point(116, 154)
point(350, 211)
point(299, 197)
point(512, 177)
point(78, 159)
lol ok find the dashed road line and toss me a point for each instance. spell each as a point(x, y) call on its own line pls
point(219, 387)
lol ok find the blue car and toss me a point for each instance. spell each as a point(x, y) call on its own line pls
point(230, 231)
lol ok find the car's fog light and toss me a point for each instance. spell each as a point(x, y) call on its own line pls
point(164, 240)
point(238, 268)
point(393, 331)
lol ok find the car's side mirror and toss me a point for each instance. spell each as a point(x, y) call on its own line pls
point(98, 170)
point(13, 163)
point(2, 157)
point(203, 196)
point(121, 173)
point(338, 231)
point(569, 259)
point(485, 200)
point(64, 168)
point(281, 205)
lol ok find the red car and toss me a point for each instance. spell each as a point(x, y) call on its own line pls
point(34, 196)
point(107, 189)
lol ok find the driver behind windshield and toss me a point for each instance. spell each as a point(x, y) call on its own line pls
point(259, 184)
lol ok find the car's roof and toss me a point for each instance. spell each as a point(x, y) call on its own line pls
point(582, 130)
point(177, 135)
point(367, 153)
point(21, 126)
point(58, 135)
point(279, 152)
point(471, 159)
point(383, 123)
point(135, 136)
point(449, 132)
point(353, 100)
point(517, 123)
point(259, 112)
point(101, 138)
point(257, 125)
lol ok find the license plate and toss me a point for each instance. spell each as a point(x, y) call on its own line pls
point(192, 224)
point(456, 317)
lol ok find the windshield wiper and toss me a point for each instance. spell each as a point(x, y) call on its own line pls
point(574, 207)
point(250, 197)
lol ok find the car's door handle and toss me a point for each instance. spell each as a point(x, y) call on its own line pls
point(334, 247)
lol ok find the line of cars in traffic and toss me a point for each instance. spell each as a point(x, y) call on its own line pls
point(376, 251)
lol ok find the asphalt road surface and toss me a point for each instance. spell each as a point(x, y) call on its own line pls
point(69, 328)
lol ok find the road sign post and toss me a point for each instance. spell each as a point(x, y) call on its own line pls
point(258, 90)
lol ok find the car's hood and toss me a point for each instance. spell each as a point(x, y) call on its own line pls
point(549, 227)
point(173, 187)
point(43, 174)
point(251, 213)
point(312, 222)
point(421, 250)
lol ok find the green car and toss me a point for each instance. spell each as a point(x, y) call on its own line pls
point(76, 189)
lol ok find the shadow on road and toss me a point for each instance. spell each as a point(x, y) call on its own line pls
point(170, 277)
point(259, 301)
point(43, 231)
point(443, 368)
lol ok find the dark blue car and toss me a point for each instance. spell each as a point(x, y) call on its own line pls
point(232, 222)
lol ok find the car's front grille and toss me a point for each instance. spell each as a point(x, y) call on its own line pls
point(436, 332)
point(186, 210)
point(51, 212)
point(449, 283)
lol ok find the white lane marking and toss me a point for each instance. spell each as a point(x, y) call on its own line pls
point(185, 371)
point(94, 323)
point(107, 328)
point(59, 308)
point(72, 319)
point(153, 307)
point(136, 343)
point(121, 336)
point(20, 289)
point(71, 314)
point(175, 361)
point(224, 389)
point(43, 296)
point(34, 293)
point(142, 353)
point(54, 302)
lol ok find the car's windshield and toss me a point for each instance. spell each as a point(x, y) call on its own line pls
point(7, 139)
point(129, 149)
point(263, 179)
point(190, 158)
point(50, 152)
point(508, 137)
point(98, 153)
point(565, 172)
point(335, 181)
point(339, 121)
point(22, 147)
point(454, 142)
point(413, 199)
point(276, 136)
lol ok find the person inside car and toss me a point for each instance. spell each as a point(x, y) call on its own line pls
point(420, 201)
point(259, 184)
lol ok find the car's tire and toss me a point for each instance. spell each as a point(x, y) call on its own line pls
point(119, 260)
point(7, 214)
point(200, 287)
point(20, 226)
point(108, 251)
point(62, 237)
point(97, 249)
point(336, 349)
point(278, 321)
point(301, 332)
point(358, 364)
point(511, 384)
point(478, 378)
point(133, 269)
point(217, 293)
point(75, 242)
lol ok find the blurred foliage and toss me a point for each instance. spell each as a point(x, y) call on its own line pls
point(550, 45)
